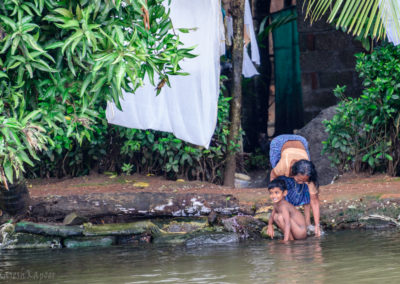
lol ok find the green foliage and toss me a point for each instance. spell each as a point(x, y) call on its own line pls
point(266, 28)
point(62, 60)
point(361, 17)
point(127, 168)
point(20, 135)
point(114, 148)
point(364, 134)
point(161, 153)
point(257, 160)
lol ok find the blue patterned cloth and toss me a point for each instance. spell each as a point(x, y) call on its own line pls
point(277, 144)
point(297, 194)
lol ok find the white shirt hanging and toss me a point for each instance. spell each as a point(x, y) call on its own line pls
point(189, 108)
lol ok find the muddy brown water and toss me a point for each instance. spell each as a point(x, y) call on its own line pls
point(342, 257)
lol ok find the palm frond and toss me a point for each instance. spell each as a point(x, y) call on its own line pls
point(375, 18)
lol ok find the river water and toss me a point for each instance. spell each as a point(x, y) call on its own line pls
point(342, 257)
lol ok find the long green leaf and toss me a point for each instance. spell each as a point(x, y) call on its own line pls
point(9, 22)
point(361, 17)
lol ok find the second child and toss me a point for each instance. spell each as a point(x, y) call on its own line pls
point(284, 214)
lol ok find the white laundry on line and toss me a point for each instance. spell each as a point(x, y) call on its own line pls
point(248, 68)
point(189, 108)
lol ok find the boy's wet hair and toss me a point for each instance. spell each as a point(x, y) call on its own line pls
point(307, 168)
point(279, 183)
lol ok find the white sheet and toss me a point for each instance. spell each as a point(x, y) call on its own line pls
point(189, 108)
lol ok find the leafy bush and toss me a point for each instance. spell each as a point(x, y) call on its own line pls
point(161, 153)
point(364, 134)
point(62, 60)
point(258, 160)
point(114, 148)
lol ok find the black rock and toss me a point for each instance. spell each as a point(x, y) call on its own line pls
point(212, 218)
point(315, 133)
point(74, 219)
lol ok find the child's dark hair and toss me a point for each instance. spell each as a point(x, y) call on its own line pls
point(307, 168)
point(280, 183)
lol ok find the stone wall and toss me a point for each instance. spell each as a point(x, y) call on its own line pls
point(326, 60)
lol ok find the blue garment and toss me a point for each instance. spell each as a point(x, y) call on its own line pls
point(297, 194)
point(277, 144)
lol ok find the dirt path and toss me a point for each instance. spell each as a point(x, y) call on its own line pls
point(349, 187)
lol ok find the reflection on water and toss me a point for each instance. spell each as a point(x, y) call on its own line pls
point(344, 257)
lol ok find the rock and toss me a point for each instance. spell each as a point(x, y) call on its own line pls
point(197, 238)
point(81, 242)
point(73, 219)
point(315, 133)
point(245, 226)
point(134, 204)
point(265, 209)
point(48, 229)
point(277, 233)
point(185, 226)
point(134, 239)
point(242, 183)
point(30, 241)
point(213, 239)
point(6, 230)
point(135, 228)
point(375, 221)
point(171, 238)
point(264, 217)
point(15, 200)
point(212, 218)
point(5, 217)
point(242, 177)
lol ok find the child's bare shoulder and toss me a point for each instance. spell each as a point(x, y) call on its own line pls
point(288, 206)
point(285, 205)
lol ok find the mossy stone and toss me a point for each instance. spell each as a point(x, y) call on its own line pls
point(135, 228)
point(74, 219)
point(263, 216)
point(172, 238)
point(82, 242)
point(31, 241)
point(185, 226)
point(48, 229)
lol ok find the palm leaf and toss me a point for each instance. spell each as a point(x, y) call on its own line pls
point(375, 18)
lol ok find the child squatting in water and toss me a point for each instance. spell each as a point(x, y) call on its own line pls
point(285, 215)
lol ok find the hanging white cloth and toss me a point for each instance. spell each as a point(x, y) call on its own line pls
point(248, 21)
point(391, 19)
point(248, 68)
point(189, 108)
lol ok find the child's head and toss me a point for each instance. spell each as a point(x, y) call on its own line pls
point(277, 189)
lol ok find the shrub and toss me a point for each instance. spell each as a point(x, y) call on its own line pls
point(114, 148)
point(364, 134)
point(61, 60)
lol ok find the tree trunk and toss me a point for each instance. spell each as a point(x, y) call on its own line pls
point(237, 10)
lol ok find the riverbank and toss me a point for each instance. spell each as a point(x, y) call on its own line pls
point(196, 211)
point(150, 196)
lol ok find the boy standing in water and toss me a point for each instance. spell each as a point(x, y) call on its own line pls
point(284, 214)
